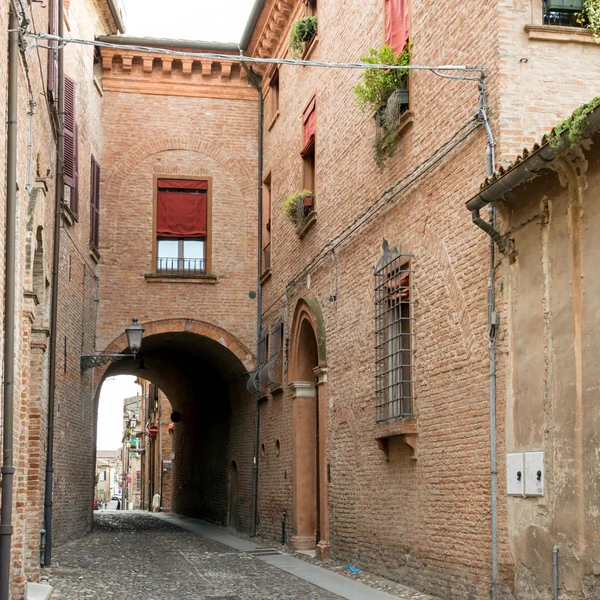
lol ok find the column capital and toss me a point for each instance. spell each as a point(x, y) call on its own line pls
point(321, 373)
point(302, 389)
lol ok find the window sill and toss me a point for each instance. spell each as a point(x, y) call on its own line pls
point(310, 47)
point(405, 427)
point(275, 117)
point(303, 228)
point(265, 277)
point(95, 255)
point(559, 33)
point(180, 278)
point(69, 217)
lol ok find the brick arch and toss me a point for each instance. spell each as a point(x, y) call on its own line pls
point(203, 328)
point(125, 165)
point(307, 309)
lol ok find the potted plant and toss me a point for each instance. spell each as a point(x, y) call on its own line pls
point(298, 205)
point(301, 34)
point(590, 17)
point(385, 92)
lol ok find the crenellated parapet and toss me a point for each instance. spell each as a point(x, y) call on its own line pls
point(124, 70)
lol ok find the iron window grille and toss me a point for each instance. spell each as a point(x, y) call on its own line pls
point(562, 12)
point(394, 336)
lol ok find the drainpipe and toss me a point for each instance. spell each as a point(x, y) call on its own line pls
point(8, 469)
point(54, 304)
point(255, 80)
point(490, 229)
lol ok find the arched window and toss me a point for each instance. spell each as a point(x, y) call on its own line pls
point(394, 335)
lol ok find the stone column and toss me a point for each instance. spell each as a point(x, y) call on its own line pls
point(323, 547)
point(304, 464)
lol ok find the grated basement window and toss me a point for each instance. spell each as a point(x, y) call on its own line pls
point(394, 336)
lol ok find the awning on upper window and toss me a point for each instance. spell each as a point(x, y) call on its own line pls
point(181, 214)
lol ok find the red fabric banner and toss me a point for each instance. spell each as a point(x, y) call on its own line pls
point(181, 214)
point(396, 24)
point(182, 184)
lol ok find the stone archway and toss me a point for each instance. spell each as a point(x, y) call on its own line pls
point(308, 382)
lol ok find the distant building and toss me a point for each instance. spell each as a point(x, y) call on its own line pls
point(108, 474)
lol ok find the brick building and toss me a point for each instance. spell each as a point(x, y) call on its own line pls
point(371, 367)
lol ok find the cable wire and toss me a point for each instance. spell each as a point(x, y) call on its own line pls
point(241, 58)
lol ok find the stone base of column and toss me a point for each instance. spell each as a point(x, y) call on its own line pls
point(303, 542)
point(323, 550)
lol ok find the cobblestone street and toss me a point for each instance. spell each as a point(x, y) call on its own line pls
point(138, 556)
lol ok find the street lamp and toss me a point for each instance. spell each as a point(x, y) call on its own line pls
point(134, 339)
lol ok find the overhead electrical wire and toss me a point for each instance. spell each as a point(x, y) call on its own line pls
point(241, 58)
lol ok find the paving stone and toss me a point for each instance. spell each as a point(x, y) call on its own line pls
point(138, 557)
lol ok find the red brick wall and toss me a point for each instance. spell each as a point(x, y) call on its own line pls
point(424, 521)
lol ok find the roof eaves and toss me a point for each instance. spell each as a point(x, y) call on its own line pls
point(525, 166)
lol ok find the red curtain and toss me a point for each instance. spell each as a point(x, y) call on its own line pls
point(181, 214)
point(310, 127)
point(183, 184)
point(396, 24)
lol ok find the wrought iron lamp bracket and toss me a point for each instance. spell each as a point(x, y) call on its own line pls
point(89, 361)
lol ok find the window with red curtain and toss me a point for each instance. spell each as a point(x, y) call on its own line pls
point(181, 225)
point(396, 24)
point(309, 121)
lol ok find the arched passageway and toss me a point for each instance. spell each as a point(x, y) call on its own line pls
point(205, 381)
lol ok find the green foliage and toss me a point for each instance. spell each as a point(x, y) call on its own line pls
point(293, 206)
point(590, 17)
point(379, 84)
point(576, 124)
point(301, 32)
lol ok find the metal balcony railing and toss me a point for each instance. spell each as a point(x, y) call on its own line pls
point(187, 266)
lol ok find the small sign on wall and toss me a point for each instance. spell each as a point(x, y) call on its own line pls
point(166, 466)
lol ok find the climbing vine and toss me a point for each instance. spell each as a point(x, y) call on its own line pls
point(576, 124)
point(590, 17)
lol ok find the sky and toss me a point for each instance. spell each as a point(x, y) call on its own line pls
point(206, 20)
point(110, 410)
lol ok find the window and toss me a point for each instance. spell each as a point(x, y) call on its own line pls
point(53, 54)
point(562, 12)
point(272, 97)
point(94, 204)
point(394, 336)
point(71, 145)
point(102, 476)
point(181, 226)
point(266, 221)
point(309, 121)
point(396, 24)
point(311, 8)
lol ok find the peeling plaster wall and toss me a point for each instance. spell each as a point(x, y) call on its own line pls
point(554, 298)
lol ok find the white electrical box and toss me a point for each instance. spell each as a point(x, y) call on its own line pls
point(515, 475)
point(534, 473)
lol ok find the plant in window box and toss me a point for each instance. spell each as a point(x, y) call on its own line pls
point(301, 34)
point(298, 206)
point(590, 17)
point(385, 92)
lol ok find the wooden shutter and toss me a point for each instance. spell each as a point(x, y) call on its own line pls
point(52, 58)
point(69, 133)
point(75, 188)
point(94, 203)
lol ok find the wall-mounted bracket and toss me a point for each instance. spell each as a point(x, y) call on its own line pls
point(89, 361)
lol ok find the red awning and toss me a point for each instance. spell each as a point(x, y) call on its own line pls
point(310, 128)
point(181, 214)
point(182, 184)
point(396, 24)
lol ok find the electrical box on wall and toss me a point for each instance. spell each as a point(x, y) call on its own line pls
point(534, 473)
point(515, 476)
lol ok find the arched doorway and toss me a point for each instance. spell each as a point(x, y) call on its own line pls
point(202, 371)
point(308, 382)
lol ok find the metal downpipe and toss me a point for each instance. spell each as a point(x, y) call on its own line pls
point(8, 469)
point(490, 229)
point(54, 304)
point(254, 509)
